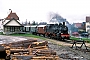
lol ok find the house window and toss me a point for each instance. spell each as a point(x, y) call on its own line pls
point(21, 28)
point(8, 28)
point(16, 28)
point(12, 29)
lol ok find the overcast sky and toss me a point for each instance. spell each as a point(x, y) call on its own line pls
point(38, 10)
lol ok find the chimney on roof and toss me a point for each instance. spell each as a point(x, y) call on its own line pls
point(10, 10)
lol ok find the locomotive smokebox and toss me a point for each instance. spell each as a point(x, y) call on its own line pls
point(63, 23)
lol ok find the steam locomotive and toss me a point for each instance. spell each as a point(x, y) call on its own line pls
point(56, 31)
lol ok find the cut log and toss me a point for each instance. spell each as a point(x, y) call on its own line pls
point(37, 44)
point(23, 42)
point(35, 51)
point(30, 57)
point(45, 52)
point(45, 58)
point(18, 50)
point(21, 57)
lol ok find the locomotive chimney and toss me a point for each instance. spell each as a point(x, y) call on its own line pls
point(63, 23)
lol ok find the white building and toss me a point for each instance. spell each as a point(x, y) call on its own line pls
point(11, 24)
point(88, 24)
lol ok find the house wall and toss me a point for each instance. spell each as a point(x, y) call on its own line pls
point(13, 23)
point(10, 30)
point(88, 27)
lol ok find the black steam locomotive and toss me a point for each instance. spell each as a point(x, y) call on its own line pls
point(57, 31)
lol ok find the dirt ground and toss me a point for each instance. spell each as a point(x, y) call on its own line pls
point(63, 49)
point(65, 52)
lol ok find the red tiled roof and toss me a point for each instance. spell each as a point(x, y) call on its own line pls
point(11, 16)
point(88, 19)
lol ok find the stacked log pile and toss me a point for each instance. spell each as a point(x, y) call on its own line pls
point(30, 50)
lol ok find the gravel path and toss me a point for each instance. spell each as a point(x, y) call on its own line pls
point(62, 48)
point(9, 39)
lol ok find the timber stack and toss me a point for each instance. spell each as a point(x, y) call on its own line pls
point(29, 50)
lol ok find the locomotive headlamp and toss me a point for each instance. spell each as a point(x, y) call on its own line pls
point(61, 33)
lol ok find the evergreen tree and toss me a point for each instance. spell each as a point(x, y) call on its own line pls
point(33, 23)
point(29, 23)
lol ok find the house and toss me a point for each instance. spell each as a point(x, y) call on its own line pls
point(88, 24)
point(79, 27)
point(11, 24)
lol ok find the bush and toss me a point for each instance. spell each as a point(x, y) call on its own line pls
point(1, 33)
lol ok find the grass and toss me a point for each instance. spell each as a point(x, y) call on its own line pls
point(85, 39)
point(1, 33)
point(29, 35)
point(35, 36)
point(74, 38)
